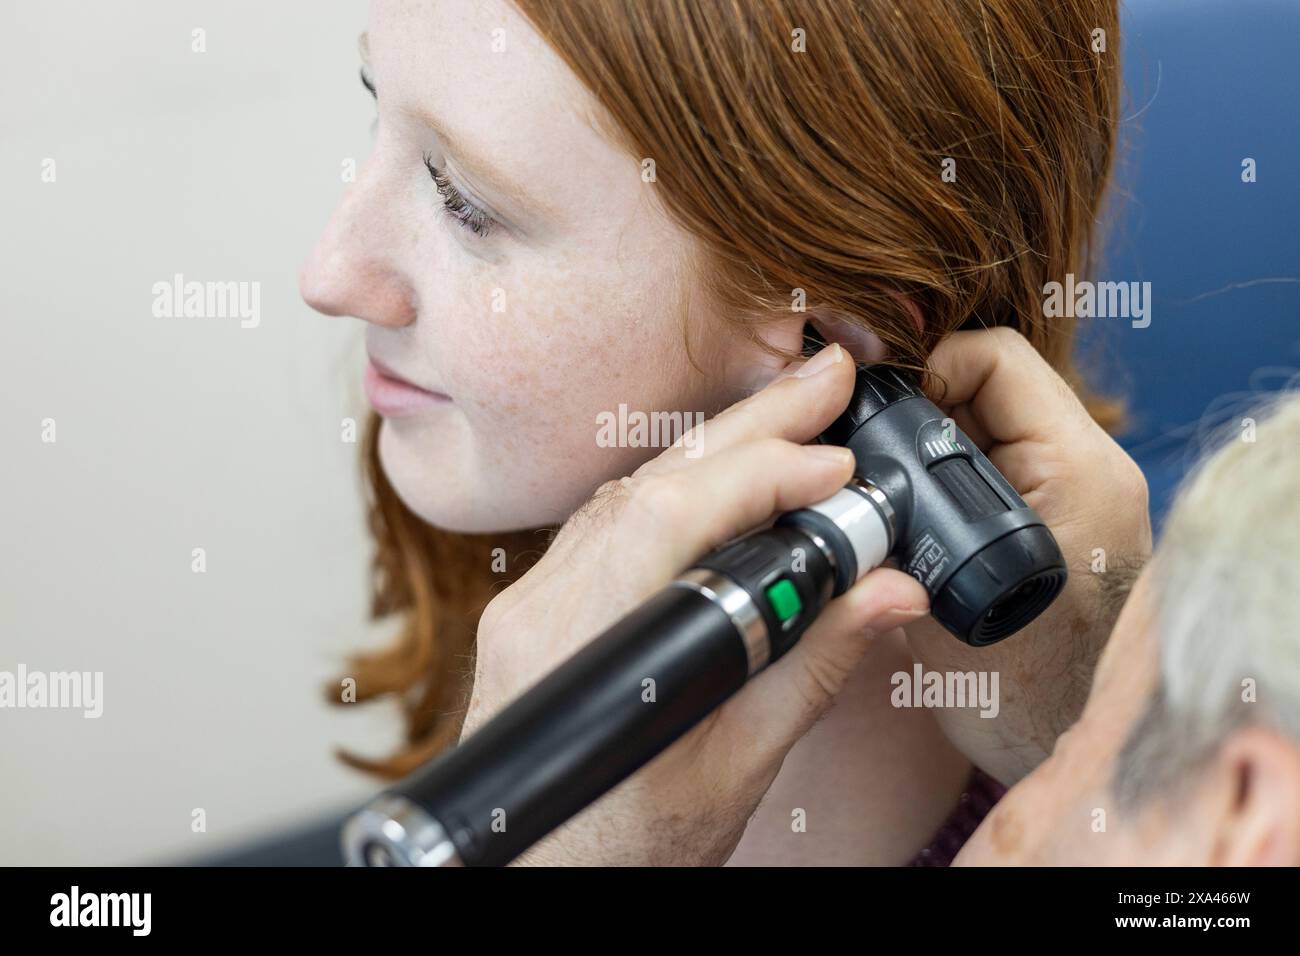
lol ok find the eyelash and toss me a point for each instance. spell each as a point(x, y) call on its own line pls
point(458, 207)
point(468, 215)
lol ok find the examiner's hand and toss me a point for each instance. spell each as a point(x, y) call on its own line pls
point(1094, 499)
point(690, 805)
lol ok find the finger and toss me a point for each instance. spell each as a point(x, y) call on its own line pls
point(798, 405)
point(784, 701)
point(667, 521)
point(1009, 389)
point(971, 427)
point(1030, 465)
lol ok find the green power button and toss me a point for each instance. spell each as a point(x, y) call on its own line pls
point(784, 599)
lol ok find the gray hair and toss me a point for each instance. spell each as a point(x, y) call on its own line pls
point(1226, 579)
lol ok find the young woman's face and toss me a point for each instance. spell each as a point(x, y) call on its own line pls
point(515, 270)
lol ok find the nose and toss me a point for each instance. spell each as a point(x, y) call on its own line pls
point(355, 268)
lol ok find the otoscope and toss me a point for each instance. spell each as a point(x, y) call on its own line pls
point(922, 494)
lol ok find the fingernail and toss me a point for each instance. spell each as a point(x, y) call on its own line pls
point(831, 453)
point(827, 357)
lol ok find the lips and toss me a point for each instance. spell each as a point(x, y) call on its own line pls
point(393, 396)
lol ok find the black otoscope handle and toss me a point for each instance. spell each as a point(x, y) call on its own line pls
point(608, 710)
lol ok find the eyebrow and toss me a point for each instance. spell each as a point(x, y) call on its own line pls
point(472, 162)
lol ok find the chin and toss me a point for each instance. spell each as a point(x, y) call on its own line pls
point(421, 481)
point(442, 486)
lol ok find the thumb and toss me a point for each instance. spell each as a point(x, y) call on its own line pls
point(801, 686)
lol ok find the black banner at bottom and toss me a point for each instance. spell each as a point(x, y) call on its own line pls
point(379, 906)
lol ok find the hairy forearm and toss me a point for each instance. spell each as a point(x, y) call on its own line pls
point(1043, 675)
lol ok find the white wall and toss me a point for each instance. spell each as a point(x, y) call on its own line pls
point(175, 434)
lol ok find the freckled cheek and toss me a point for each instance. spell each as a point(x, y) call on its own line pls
point(552, 350)
point(474, 338)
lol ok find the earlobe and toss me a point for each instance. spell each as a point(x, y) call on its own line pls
point(1262, 821)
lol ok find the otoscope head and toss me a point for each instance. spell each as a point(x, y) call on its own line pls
point(1007, 585)
point(987, 560)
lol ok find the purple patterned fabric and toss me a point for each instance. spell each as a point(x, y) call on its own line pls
point(981, 792)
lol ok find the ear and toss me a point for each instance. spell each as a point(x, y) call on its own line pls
point(860, 342)
point(831, 326)
point(1261, 826)
point(791, 336)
